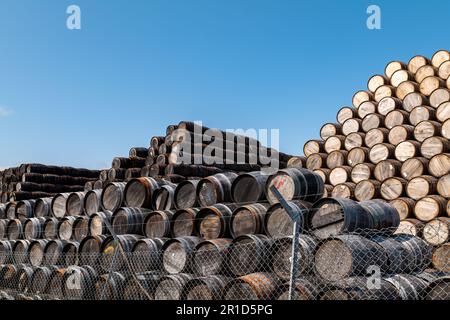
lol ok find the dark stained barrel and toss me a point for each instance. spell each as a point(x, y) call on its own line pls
point(41, 279)
point(249, 187)
point(295, 183)
point(24, 276)
point(138, 152)
point(42, 207)
point(210, 257)
point(65, 228)
point(20, 251)
point(248, 219)
point(58, 206)
point(126, 163)
point(147, 254)
point(171, 286)
point(6, 251)
point(89, 250)
point(24, 209)
point(215, 189)
point(112, 195)
point(109, 247)
point(33, 228)
point(56, 283)
point(75, 204)
point(10, 210)
point(36, 252)
point(213, 222)
point(178, 254)
point(346, 256)
point(14, 229)
point(129, 220)
point(186, 194)
point(80, 228)
point(277, 221)
point(163, 198)
point(92, 202)
point(183, 223)
point(50, 228)
point(256, 286)
point(385, 217)
point(61, 171)
point(409, 287)
point(145, 290)
point(98, 223)
point(110, 286)
point(439, 289)
point(3, 228)
point(138, 192)
point(53, 252)
point(70, 253)
point(2, 211)
point(79, 283)
point(356, 288)
point(333, 216)
point(305, 289)
point(8, 276)
point(418, 248)
point(205, 289)
point(157, 224)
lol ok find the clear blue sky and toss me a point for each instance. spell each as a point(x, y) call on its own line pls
point(82, 97)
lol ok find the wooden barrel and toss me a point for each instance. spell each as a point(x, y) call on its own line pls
point(434, 146)
point(294, 183)
point(429, 84)
point(205, 289)
point(444, 70)
point(426, 129)
point(70, 253)
point(424, 72)
point(98, 223)
point(405, 88)
point(24, 276)
point(440, 258)
point(409, 287)
point(375, 82)
point(443, 186)
point(6, 251)
point(256, 286)
point(380, 152)
point(400, 76)
point(24, 209)
point(306, 288)
point(406, 150)
point(357, 156)
point(92, 202)
point(56, 282)
point(124, 245)
point(58, 206)
point(362, 171)
point(324, 173)
point(421, 113)
point(344, 256)
point(336, 159)
point(75, 204)
point(372, 121)
point(388, 104)
point(65, 228)
point(129, 220)
point(138, 192)
point(163, 198)
point(313, 146)
point(340, 175)
point(171, 287)
point(414, 99)
point(411, 227)
point(421, 186)
point(42, 207)
point(296, 162)
point(36, 252)
point(387, 169)
point(215, 189)
point(248, 219)
point(439, 165)
point(438, 289)
point(34, 228)
point(443, 112)
point(356, 289)
point(213, 222)
point(53, 252)
point(414, 167)
point(437, 231)
point(178, 254)
point(41, 279)
point(316, 161)
point(157, 224)
point(354, 140)
point(14, 229)
point(210, 257)
point(3, 228)
point(366, 108)
point(282, 256)
point(421, 251)
point(404, 206)
point(278, 222)
point(335, 143)
point(344, 190)
point(89, 250)
point(183, 223)
point(360, 97)
point(400, 259)
point(430, 207)
point(376, 136)
point(396, 118)
point(445, 130)
point(186, 194)
point(345, 113)
point(367, 190)
point(330, 129)
point(20, 251)
point(400, 133)
point(393, 188)
point(147, 254)
point(80, 228)
point(112, 196)
point(110, 286)
point(10, 210)
point(385, 217)
point(333, 216)
point(249, 187)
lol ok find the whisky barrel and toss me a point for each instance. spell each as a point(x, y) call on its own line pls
point(42, 207)
point(306, 288)
point(414, 167)
point(336, 159)
point(98, 223)
point(61, 171)
point(24, 276)
point(388, 104)
point(126, 163)
point(316, 161)
point(324, 173)
point(41, 279)
point(333, 216)
point(51, 228)
point(155, 142)
point(411, 227)
point(14, 229)
point(183, 223)
point(407, 149)
point(427, 129)
point(138, 152)
point(385, 217)
point(372, 121)
point(147, 254)
point(213, 222)
point(434, 146)
point(210, 257)
point(414, 99)
point(296, 162)
point(375, 82)
point(400, 76)
point(249, 187)
point(278, 223)
point(400, 259)
point(366, 108)
point(344, 256)
point(443, 112)
point(367, 190)
point(215, 189)
point(424, 72)
point(354, 140)
point(439, 165)
point(329, 130)
point(171, 287)
point(89, 250)
point(123, 244)
point(362, 171)
point(438, 289)
point(295, 183)
point(157, 224)
point(344, 190)
point(431, 83)
point(421, 186)
point(445, 129)
point(393, 188)
point(116, 174)
point(256, 286)
point(3, 226)
point(6, 251)
point(387, 169)
point(163, 198)
point(282, 256)
point(186, 194)
point(430, 207)
point(437, 231)
point(392, 67)
point(248, 219)
point(80, 228)
point(356, 289)
point(24, 209)
point(409, 287)
point(346, 113)
point(178, 254)
point(380, 152)
point(75, 204)
point(20, 251)
point(421, 251)
point(65, 228)
point(313, 146)
point(444, 70)
point(56, 282)
point(138, 192)
point(440, 258)
point(443, 186)
point(349, 126)
point(129, 220)
point(396, 118)
point(421, 113)
point(360, 97)
point(58, 206)
point(36, 252)
point(357, 156)
point(112, 195)
point(110, 286)
point(400, 133)
point(340, 175)
point(404, 206)
point(70, 253)
point(53, 252)
point(205, 289)
point(92, 202)
point(10, 210)
point(376, 136)
point(34, 228)
point(405, 88)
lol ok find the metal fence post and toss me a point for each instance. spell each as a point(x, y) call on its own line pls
point(295, 216)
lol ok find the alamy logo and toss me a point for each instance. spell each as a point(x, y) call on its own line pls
point(73, 21)
point(73, 281)
point(374, 279)
point(374, 20)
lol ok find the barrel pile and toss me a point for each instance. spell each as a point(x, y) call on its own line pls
point(33, 181)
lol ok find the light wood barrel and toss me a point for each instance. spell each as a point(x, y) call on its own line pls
point(340, 175)
point(430, 208)
point(336, 159)
point(376, 81)
point(394, 66)
point(360, 97)
point(92, 202)
point(215, 189)
point(344, 190)
point(329, 130)
point(127, 220)
point(445, 129)
point(278, 222)
point(324, 173)
point(426, 129)
point(138, 192)
point(404, 206)
point(439, 96)
point(157, 224)
point(366, 108)
point(439, 165)
point(313, 146)
point(376, 136)
point(393, 188)
point(413, 100)
point(248, 219)
point(411, 227)
point(434, 146)
point(421, 186)
point(388, 104)
point(75, 204)
point(406, 88)
point(383, 92)
point(346, 113)
point(256, 286)
point(416, 62)
point(424, 72)
point(437, 231)
point(296, 162)
point(444, 70)
point(443, 112)
point(183, 223)
point(387, 169)
point(316, 161)
point(440, 57)
point(367, 190)
point(351, 125)
point(178, 254)
point(380, 152)
point(421, 113)
point(440, 258)
point(357, 156)
point(429, 84)
point(400, 76)
point(213, 222)
point(186, 194)
point(407, 149)
point(396, 118)
point(334, 143)
point(112, 195)
point(443, 186)
point(354, 140)
point(414, 167)
point(362, 171)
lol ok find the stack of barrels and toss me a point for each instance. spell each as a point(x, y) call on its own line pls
point(393, 144)
point(33, 181)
